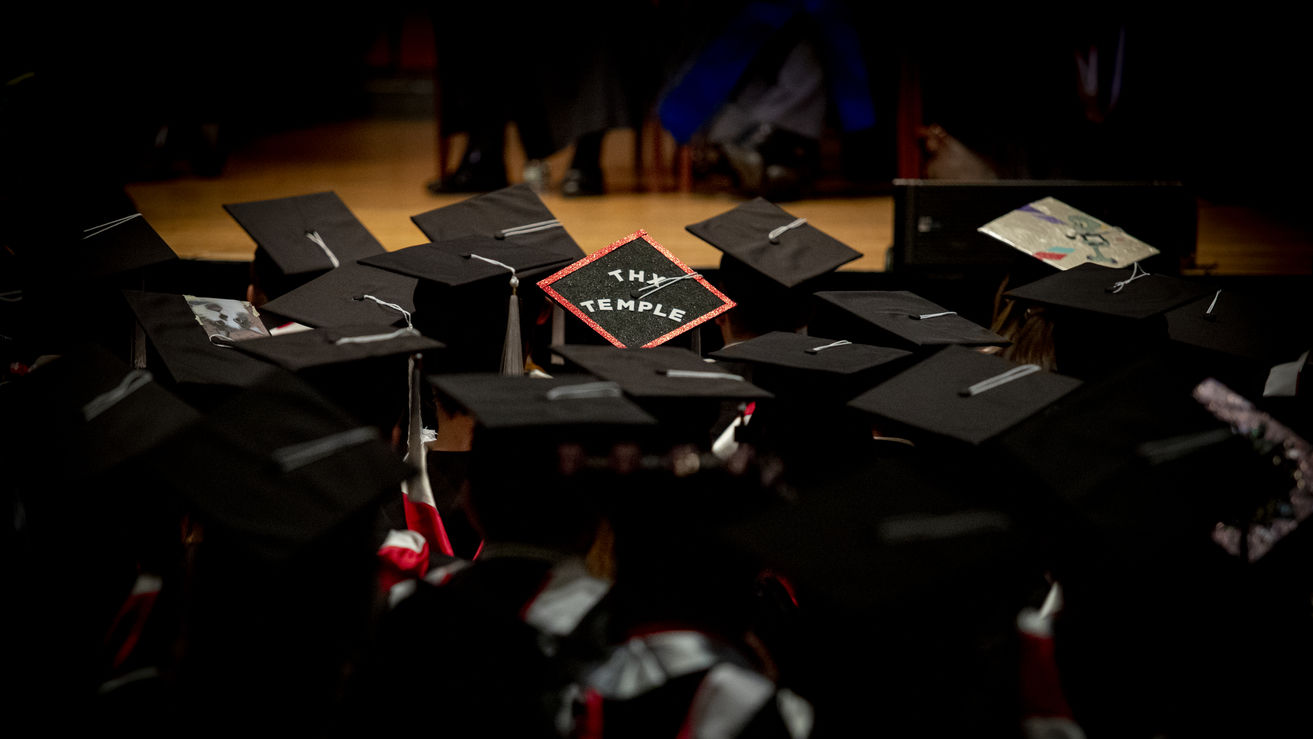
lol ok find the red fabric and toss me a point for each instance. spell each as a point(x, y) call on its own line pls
point(589, 724)
point(1041, 688)
point(397, 564)
point(137, 607)
point(424, 518)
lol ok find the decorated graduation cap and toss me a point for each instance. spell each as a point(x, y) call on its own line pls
point(191, 343)
point(964, 395)
point(635, 293)
point(515, 214)
point(461, 297)
point(300, 237)
point(1064, 237)
point(353, 294)
point(785, 250)
point(896, 318)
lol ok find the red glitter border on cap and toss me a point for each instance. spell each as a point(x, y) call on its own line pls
point(545, 285)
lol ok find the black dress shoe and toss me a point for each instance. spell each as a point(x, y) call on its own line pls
point(470, 177)
point(579, 182)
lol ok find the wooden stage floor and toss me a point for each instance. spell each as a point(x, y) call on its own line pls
point(379, 168)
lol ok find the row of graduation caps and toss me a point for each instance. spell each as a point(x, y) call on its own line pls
point(901, 360)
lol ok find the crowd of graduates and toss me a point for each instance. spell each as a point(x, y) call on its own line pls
point(426, 490)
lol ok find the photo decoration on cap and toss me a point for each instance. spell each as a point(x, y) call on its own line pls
point(225, 320)
point(964, 394)
point(1058, 234)
point(635, 293)
point(1284, 506)
point(770, 240)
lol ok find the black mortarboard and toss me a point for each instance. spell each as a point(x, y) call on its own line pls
point(277, 466)
point(451, 263)
point(1238, 337)
point(300, 237)
point(360, 368)
point(635, 293)
point(676, 385)
point(665, 372)
point(549, 406)
point(353, 294)
point(104, 250)
point(784, 249)
point(892, 565)
point(183, 345)
point(964, 394)
point(800, 363)
point(84, 413)
point(1262, 329)
point(1101, 316)
point(812, 379)
point(895, 318)
point(515, 214)
point(59, 281)
point(461, 297)
point(1112, 293)
point(339, 345)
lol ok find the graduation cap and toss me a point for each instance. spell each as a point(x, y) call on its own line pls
point(1239, 336)
point(353, 294)
point(553, 406)
point(785, 250)
point(791, 363)
point(893, 567)
point(461, 295)
point(529, 478)
point(676, 385)
point(1064, 237)
point(812, 379)
point(635, 293)
point(661, 373)
point(300, 237)
point(1113, 293)
point(89, 407)
point(361, 368)
point(896, 318)
point(57, 282)
point(105, 250)
point(277, 466)
point(515, 214)
point(186, 352)
point(1100, 316)
point(964, 394)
